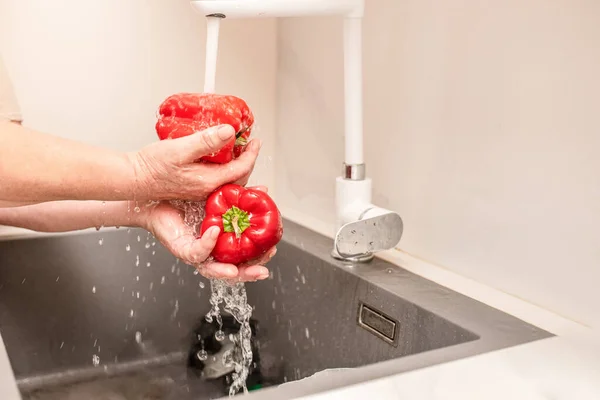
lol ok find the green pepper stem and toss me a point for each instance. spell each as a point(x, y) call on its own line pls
point(236, 221)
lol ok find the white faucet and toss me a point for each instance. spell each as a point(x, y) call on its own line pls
point(362, 228)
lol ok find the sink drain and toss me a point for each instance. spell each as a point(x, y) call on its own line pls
point(379, 324)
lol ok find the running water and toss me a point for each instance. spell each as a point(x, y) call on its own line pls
point(236, 304)
point(231, 296)
point(212, 47)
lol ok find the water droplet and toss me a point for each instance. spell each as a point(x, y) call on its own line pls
point(137, 278)
point(162, 280)
point(95, 360)
point(128, 248)
point(57, 278)
point(137, 295)
point(101, 241)
point(153, 252)
point(228, 358)
point(148, 264)
point(153, 244)
point(131, 313)
point(389, 270)
point(220, 335)
point(137, 261)
point(94, 289)
point(306, 333)
point(138, 337)
point(147, 245)
point(175, 310)
point(201, 284)
point(23, 281)
point(139, 238)
point(137, 209)
point(202, 355)
point(151, 285)
point(62, 344)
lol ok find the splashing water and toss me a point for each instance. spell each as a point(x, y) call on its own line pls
point(232, 297)
point(236, 304)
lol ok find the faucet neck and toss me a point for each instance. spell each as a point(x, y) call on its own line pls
point(353, 93)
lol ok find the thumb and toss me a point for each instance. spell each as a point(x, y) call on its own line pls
point(187, 149)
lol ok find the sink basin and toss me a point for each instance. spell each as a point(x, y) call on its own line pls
point(112, 315)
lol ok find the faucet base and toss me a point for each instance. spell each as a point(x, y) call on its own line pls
point(363, 258)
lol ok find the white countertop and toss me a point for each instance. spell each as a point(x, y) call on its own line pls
point(8, 385)
point(563, 367)
point(558, 368)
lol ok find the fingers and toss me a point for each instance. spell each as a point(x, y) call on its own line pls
point(215, 270)
point(199, 250)
point(252, 273)
point(185, 150)
point(256, 271)
point(240, 168)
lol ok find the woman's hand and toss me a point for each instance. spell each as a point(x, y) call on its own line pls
point(166, 223)
point(167, 170)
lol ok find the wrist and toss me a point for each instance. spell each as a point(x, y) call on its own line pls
point(140, 213)
point(140, 177)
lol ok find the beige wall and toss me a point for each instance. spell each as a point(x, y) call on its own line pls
point(482, 130)
point(97, 70)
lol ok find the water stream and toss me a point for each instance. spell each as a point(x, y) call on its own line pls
point(231, 297)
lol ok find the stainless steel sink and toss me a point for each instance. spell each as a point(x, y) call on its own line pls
point(84, 320)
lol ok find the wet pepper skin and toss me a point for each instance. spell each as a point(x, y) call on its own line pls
point(183, 114)
point(249, 220)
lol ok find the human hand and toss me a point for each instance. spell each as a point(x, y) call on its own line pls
point(166, 223)
point(167, 170)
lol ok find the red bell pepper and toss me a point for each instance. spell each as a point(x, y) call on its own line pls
point(183, 114)
point(249, 220)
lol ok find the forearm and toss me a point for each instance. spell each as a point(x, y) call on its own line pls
point(64, 216)
point(35, 167)
point(4, 203)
